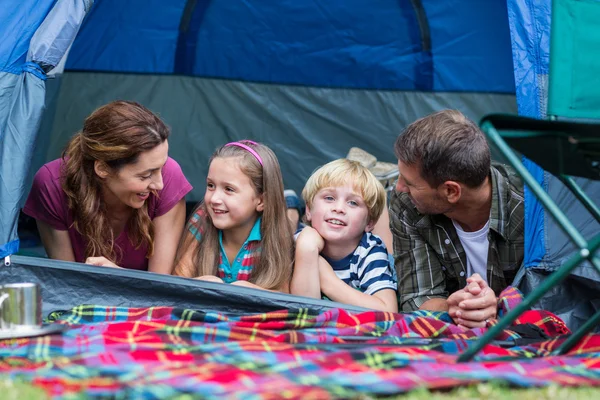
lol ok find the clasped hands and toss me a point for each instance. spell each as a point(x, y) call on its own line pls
point(474, 305)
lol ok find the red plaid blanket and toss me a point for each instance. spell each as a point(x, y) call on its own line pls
point(161, 352)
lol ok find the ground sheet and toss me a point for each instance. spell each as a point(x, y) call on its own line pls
point(161, 352)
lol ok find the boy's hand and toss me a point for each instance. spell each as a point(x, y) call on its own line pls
point(309, 239)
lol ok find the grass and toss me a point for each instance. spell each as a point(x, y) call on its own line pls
point(490, 391)
point(16, 390)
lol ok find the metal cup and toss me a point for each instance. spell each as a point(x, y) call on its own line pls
point(20, 306)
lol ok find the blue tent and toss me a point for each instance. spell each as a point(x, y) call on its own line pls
point(547, 247)
point(35, 35)
point(310, 79)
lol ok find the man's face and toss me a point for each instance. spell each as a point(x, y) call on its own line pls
point(425, 198)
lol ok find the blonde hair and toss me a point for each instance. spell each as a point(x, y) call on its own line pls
point(274, 267)
point(343, 172)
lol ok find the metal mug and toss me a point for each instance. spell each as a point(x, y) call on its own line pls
point(20, 306)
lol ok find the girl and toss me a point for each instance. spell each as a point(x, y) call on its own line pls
point(240, 233)
point(115, 197)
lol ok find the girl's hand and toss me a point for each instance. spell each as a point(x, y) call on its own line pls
point(210, 278)
point(101, 262)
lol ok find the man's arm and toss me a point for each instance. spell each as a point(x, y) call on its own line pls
point(421, 281)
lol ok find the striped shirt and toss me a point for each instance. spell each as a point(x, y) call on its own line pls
point(368, 268)
point(430, 259)
point(246, 258)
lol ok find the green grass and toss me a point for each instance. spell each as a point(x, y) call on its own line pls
point(486, 391)
point(16, 390)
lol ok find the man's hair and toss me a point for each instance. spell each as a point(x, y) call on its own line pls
point(345, 172)
point(447, 146)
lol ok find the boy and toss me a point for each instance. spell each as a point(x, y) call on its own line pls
point(337, 255)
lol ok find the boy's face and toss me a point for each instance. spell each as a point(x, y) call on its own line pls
point(339, 214)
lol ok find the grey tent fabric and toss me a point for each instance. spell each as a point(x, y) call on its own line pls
point(305, 126)
point(66, 285)
point(54, 36)
point(21, 108)
point(578, 297)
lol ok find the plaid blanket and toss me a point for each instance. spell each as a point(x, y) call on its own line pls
point(161, 352)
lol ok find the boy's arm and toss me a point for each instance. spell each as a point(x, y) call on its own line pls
point(337, 290)
point(305, 278)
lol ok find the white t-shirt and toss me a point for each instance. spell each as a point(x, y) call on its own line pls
point(476, 245)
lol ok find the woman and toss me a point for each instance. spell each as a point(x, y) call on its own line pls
point(114, 197)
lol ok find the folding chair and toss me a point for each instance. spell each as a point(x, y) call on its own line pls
point(562, 147)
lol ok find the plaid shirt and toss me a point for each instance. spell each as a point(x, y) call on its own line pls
point(430, 259)
point(246, 258)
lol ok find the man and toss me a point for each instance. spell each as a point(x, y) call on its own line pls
point(457, 220)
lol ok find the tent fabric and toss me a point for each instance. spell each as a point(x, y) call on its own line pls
point(547, 246)
point(535, 228)
point(309, 79)
point(39, 46)
point(65, 285)
point(424, 45)
point(20, 82)
point(19, 21)
point(577, 298)
point(305, 126)
point(573, 90)
point(530, 41)
point(21, 109)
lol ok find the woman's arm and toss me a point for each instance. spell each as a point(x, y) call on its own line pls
point(57, 243)
point(167, 232)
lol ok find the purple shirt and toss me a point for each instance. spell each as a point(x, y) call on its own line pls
point(47, 202)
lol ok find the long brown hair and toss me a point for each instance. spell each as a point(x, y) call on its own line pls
point(116, 134)
point(274, 267)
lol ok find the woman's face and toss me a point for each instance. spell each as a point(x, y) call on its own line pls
point(131, 185)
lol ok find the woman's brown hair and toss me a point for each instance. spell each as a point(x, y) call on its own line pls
point(115, 134)
point(274, 267)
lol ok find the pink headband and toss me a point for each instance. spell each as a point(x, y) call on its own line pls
point(247, 148)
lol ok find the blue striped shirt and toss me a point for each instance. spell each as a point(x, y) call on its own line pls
point(368, 268)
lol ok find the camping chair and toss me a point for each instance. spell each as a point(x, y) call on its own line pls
point(564, 148)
